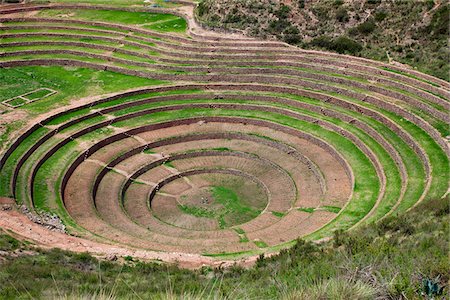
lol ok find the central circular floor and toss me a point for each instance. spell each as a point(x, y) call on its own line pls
point(210, 201)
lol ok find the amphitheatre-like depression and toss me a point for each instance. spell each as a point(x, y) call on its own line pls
point(244, 146)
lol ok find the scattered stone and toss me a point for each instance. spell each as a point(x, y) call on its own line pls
point(47, 220)
point(111, 257)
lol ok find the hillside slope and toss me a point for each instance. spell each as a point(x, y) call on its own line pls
point(410, 32)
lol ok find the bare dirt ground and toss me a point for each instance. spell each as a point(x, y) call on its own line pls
point(23, 228)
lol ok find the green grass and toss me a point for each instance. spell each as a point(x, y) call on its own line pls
point(278, 214)
point(7, 170)
point(438, 158)
point(231, 209)
point(16, 101)
point(333, 209)
point(243, 239)
point(111, 16)
point(104, 2)
point(72, 83)
point(307, 209)
point(38, 94)
point(169, 164)
point(410, 75)
point(236, 209)
point(416, 173)
point(149, 151)
point(8, 243)
point(44, 190)
point(162, 22)
point(260, 244)
point(176, 25)
point(40, 38)
point(239, 230)
point(199, 212)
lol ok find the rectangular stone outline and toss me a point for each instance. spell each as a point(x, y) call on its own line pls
point(27, 100)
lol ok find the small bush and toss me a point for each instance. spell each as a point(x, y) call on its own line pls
point(342, 15)
point(301, 4)
point(128, 258)
point(341, 44)
point(346, 45)
point(291, 35)
point(283, 12)
point(8, 243)
point(366, 27)
point(380, 15)
point(202, 8)
point(395, 224)
point(277, 26)
point(439, 25)
point(322, 41)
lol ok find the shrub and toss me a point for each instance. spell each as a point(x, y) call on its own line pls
point(380, 15)
point(277, 26)
point(366, 27)
point(283, 12)
point(342, 15)
point(322, 41)
point(341, 44)
point(8, 243)
point(346, 45)
point(202, 8)
point(321, 12)
point(439, 25)
point(128, 258)
point(395, 224)
point(292, 35)
point(232, 18)
point(301, 4)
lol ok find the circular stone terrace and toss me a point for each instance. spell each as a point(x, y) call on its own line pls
point(247, 145)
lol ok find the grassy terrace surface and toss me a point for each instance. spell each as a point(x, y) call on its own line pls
point(379, 129)
point(157, 22)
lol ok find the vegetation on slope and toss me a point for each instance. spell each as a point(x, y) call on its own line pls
point(411, 32)
point(400, 257)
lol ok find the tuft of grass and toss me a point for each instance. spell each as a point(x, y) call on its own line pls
point(8, 243)
point(335, 288)
point(307, 209)
point(260, 244)
point(199, 212)
point(278, 214)
point(333, 209)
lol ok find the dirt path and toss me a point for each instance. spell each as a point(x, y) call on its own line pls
point(24, 228)
point(196, 28)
